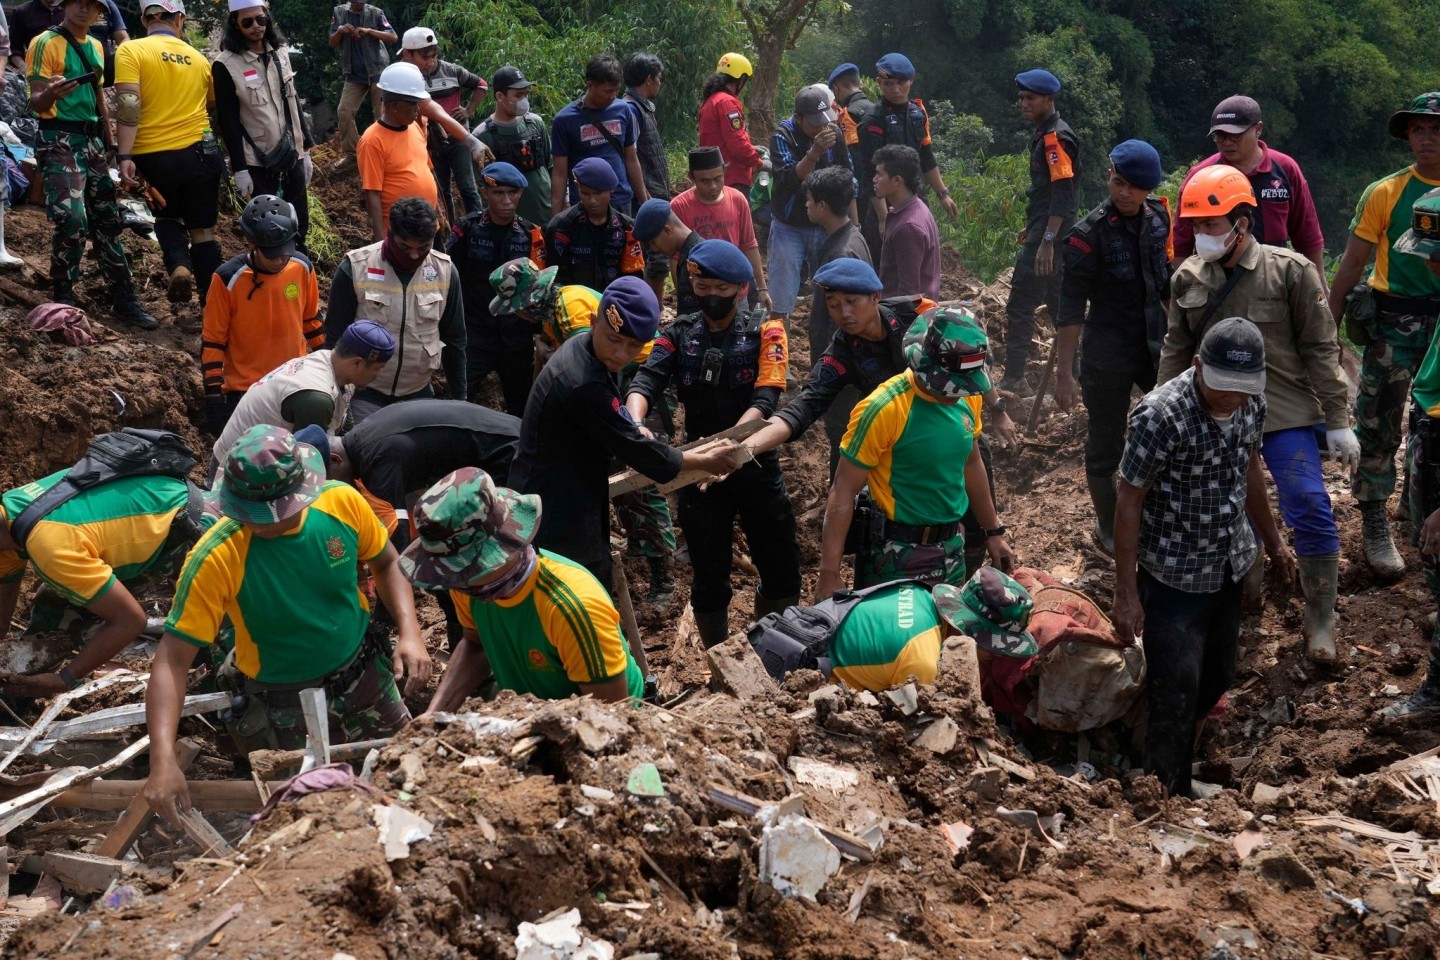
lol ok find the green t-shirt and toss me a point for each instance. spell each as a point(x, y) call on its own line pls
point(1382, 215)
point(526, 142)
point(891, 635)
point(50, 56)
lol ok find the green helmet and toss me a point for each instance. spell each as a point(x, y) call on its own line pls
point(520, 283)
point(947, 349)
point(468, 528)
point(992, 609)
point(268, 477)
point(1423, 237)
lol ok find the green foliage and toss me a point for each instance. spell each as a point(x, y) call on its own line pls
point(956, 138)
point(325, 245)
point(1092, 104)
point(991, 195)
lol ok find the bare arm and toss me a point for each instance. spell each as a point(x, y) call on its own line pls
point(1257, 508)
point(1347, 274)
point(467, 670)
point(377, 221)
point(613, 690)
point(1126, 613)
point(769, 437)
point(636, 175)
point(431, 111)
point(411, 659)
point(839, 511)
point(165, 790)
point(977, 488)
point(753, 255)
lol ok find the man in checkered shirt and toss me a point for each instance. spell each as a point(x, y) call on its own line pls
point(1189, 478)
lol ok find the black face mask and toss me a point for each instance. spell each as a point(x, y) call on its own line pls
point(717, 307)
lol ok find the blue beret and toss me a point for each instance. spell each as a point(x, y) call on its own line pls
point(316, 436)
point(896, 65)
point(650, 219)
point(629, 308)
point(596, 174)
point(1137, 162)
point(720, 260)
point(501, 174)
point(841, 70)
point(848, 275)
point(1042, 82)
point(368, 339)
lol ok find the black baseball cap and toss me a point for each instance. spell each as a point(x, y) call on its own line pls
point(1234, 114)
point(1233, 357)
point(509, 78)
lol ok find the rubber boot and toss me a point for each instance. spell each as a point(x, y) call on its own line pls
point(62, 291)
point(182, 284)
point(1380, 550)
point(764, 606)
point(662, 581)
point(1017, 384)
point(1102, 495)
point(1423, 703)
point(124, 305)
point(1319, 579)
point(7, 260)
point(713, 626)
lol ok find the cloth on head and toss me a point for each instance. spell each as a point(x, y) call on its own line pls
point(315, 436)
point(237, 5)
point(841, 70)
point(630, 309)
point(268, 477)
point(1232, 356)
point(595, 173)
point(1138, 162)
point(62, 318)
point(1234, 114)
point(895, 65)
point(720, 260)
point(419, 38)
point(706, 158)
point(467, 528)
point(502, 174)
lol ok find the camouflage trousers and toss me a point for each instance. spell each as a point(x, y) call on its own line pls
point(942, 562)
point(1422, 463)
point(1389, 364)
point(645, 515)
point(80, 200)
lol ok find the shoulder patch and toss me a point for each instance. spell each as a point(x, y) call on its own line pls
point(1080, 244)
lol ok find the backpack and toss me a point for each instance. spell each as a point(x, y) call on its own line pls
point(799, 638)
point(130, 452)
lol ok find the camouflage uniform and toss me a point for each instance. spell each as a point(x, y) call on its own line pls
point(942, 562)
point(645, 515)
point(1389, 363)
point(1423, 493)
point(80, 200)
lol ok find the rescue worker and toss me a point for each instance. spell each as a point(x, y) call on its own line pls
point(162, 93)
point(593, 242)
point(717, 212)
point(483, 241)
point(362, 32)
point(1279, 291)
point(539, 622)
point(258, 110)
point(844, 82)
point(263, 309)
point(643, 75)
point(1391, 316)
point(72, 146)
point(728, 367)
point(282, 569)
point(1116, 260)
point(520, 138)
point(904, 440)
point(662, 234)
point(598, 127)
point(1050, 205)
point(575, 423)
point(525, 290)
point(315, 388)
point(459, 93)
point(1190, 491)
point(1421, 243)
point(722, 121)
point(28, 20)
point(412, 290)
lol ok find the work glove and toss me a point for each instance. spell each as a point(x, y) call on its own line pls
point(308, 166)
point(1344, 446)
point(216, 413)
point(244, 184)
point(479, 151)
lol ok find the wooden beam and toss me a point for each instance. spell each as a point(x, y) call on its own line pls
point(84, 873)
point(137, 815)
point(17, 811)
point(266, 763)
point(61, 702)
point(628, 481)
point(204, 836)
point(212, 796)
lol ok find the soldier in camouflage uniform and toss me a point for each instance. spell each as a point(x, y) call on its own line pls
point(282, 567)
point(905, 441)
point(74, 149)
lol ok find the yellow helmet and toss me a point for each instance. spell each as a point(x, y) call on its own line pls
point(735, 65)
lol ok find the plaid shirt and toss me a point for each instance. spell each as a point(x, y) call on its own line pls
point(1194, 518)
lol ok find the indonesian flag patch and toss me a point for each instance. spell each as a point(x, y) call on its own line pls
point(375, 273)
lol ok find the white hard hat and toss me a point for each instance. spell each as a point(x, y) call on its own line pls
point(418, 38)
point(404, 80)
point(237, 5)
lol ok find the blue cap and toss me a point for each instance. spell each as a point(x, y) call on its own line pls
point(368, 339)
point(720, 260)
point(502, 174)
point(316, 436)
point(840, 71)
point(596, 174)
point(896, 65)
point(630, 309)
point(1042, 82)
point(650, 219)
point(1137, 162)
point(848, 275)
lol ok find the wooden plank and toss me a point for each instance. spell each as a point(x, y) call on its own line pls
point(137, 815)
point(131, 715)
point(84, 873)
point(202, 941)
point(204, 836)
point(628, 481)
point(737, 670)
point(626, 606)
point(266, 763)
point(4, 876)
point(211, 796)
point(17, 811)
point(60, 703)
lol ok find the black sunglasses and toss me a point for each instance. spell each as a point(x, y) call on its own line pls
point(247, 22)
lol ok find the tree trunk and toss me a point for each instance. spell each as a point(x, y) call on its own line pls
point(760, 110)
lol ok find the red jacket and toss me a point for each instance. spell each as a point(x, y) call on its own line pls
point(722, 124)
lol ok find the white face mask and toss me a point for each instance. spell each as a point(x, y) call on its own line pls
point(1211, 249)
point(522, 106)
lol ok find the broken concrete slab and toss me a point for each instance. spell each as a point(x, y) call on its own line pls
point(399, 828)
point(939, 737)
point(796, 858)
point(837, 778)
point(559, 938)
point(736, 670)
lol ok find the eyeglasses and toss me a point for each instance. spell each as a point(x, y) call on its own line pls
point(247, 22)
point(1221, 136)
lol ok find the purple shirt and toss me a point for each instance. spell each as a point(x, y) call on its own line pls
point(1287, 213)
point(910, 255)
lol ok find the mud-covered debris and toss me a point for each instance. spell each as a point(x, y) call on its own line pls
point(559, 939)
point(827, 776)
point(399, 828)
point(795, 857)
point(939, 737)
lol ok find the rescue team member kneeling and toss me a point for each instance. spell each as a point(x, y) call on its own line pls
point(728, 368)
point(904, 440)
point(541, 623)
point(282, 567)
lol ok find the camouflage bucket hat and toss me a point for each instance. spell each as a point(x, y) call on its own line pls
point(1423, 237)
point(518, 284)
point(992, 609)
point(946, 348)
point(268, 477)
point(1425, 105)
point(468, 528)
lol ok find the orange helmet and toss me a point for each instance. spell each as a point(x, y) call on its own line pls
point(1215, 191)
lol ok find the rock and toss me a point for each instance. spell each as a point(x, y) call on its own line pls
point(795, 857)
point(987, 783)
point(1282, 867)
point(591, 739)
point(939, 737)
point(1390, 690)
point(399, 828)
point(1233, 937)
point(1264, 793)
point(906, 698)
point(1279, 713)
point(957, 835)
point(867, 699)
point(1394, 934)
point(827, 776)
point(596, 793)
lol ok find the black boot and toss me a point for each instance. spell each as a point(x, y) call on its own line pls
point(124, 305)
point(1424, 704)
point(713, 626)
point(1102, 495)
point(763, 605)
point(62, 291)
point(662, 581)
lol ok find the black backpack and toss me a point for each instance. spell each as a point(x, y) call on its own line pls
point(130, 452)
point(800, 637)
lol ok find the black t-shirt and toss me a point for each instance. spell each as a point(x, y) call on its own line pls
point(845, 242)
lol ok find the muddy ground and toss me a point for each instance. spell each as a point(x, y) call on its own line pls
point(519, 834)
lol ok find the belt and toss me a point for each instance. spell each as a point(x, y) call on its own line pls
point(1407, 305)
point(337, 681)
point(85, 128)
point(910, 533)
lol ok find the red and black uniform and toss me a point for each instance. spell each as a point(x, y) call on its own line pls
point(589, 255)
point(722, 124)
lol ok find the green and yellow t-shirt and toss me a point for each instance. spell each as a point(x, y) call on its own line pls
point(888, 637)
point(294, 600)
point(1426, 388)
point(1382, 216)
point(50, 56)
point(114, 531)
point(559, 631)
point(914, 449)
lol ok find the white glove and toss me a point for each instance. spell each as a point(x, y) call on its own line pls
point(244, 184)
point(308, 166)
point(1344, 447)
point(479, 151)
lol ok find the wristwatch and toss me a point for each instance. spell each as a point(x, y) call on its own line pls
point(1049, 237)
point(999, 405)
point(997, 532)
point(68, 678)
